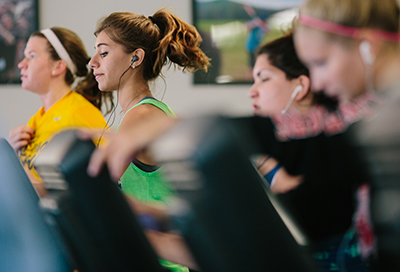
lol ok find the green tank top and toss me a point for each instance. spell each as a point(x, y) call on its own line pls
point(149, 187)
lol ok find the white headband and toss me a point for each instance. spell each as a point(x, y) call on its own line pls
point(60, 49)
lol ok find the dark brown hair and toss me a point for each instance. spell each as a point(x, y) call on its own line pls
point(88, 86)
point(164, 37)
point(282, 54)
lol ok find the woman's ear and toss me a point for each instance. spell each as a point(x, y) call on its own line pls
point(304, 82)
point(138, 56)
point(58, 68)
point(369, 46)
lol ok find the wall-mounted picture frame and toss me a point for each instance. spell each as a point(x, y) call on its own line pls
point(233, 29)
point(19, 19)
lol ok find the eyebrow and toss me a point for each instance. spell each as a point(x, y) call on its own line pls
point(100, 44)
point(30, 51)
point(262, 70)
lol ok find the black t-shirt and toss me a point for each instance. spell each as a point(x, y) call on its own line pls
point(324, 203)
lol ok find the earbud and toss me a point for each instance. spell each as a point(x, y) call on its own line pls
point(296, 90)
point(365, 52)
point(134, 58)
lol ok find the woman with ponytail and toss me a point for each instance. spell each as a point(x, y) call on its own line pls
point(131, 51)
point(55, 68)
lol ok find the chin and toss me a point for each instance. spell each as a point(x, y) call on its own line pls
point(24, 86)
point(104, 89)
point(261, 114)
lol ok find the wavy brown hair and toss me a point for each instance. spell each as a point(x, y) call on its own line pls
point(164, 37)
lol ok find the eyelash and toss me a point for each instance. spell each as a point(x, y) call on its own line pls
point(103, 54)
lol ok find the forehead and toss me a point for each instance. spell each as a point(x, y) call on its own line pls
point(314, 45)
point(263, 65)
point(262, 62)
point(37, 44)
point(103, 39)
point(309, 41)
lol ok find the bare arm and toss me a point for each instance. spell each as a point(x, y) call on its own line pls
point(283, 181)
point(127, 143)
point(133, 118)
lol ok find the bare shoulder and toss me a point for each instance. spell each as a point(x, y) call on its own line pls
point(140, 113)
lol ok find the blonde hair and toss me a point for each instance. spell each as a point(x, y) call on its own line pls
point(164, 37)
point(372, 14)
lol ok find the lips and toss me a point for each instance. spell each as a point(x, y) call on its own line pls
point(97, 75)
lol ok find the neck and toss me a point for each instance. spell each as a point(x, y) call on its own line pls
point(132, 95)
point(53, 94)
point(305, 104)
point(132, 88)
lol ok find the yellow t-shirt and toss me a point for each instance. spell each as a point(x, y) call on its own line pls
point(71, 111)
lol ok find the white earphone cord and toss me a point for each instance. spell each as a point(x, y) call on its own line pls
point(290, 100)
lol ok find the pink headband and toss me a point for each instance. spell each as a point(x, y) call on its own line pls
point(344, 30)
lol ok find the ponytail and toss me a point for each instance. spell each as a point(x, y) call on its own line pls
point(179, 44)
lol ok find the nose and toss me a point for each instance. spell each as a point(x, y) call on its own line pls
point(253, 91)
point(317, 81)
point(22, 63)
point(93, 63)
